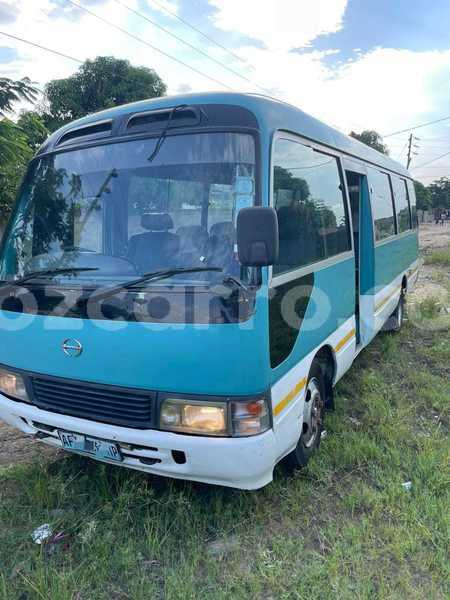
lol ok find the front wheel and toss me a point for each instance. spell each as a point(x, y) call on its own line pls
point(395, 321)
point(313, 416)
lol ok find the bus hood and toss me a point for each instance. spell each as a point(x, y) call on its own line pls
point(221, 359)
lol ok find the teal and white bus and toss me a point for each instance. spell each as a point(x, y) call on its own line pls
point(184, 280)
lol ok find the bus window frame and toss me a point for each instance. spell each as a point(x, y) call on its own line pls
point(389, 238)
point(405, 182)
point(292, 275)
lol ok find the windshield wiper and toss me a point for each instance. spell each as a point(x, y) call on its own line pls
point(163, 134)
point(147, 277)
point(46, 273)
point(165, 131)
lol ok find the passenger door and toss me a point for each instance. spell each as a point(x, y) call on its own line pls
point(362, 229)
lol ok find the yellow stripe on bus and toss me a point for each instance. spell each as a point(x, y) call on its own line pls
point(287, 399)
point(351, 334)
point(385, 300)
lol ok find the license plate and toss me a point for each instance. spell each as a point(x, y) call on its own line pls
point(78, 442)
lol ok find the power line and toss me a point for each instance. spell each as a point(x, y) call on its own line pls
point(195, 48)
point(19, 39)
point(445, 167)
point(185, 22)
point(434, 176)
point(138, 39)
point(432, 161)
point(416, 127)
point(402, 150)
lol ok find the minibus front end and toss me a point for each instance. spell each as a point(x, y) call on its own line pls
point(131, 331)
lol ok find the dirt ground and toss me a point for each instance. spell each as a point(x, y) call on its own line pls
point(16, 447)
point(432, 280)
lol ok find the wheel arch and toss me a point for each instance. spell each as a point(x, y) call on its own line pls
point(326, 359)
point(404, 284)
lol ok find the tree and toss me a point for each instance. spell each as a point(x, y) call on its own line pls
point(371, 138)
point(13, 91)
point(14, 148)
point(32, 126)
point(423, 196)
point(440, 193)
point(14, 155)
point(99, 84)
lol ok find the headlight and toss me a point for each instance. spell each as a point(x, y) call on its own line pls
point(234, 418)
point(209, 418)
point(12, 384)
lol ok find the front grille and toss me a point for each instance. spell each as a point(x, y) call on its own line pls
point(108, 404)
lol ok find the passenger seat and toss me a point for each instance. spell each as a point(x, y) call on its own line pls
point(222, 238)
point(193, 245)
point(157, 248)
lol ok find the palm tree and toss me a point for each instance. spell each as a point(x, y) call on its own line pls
point(12, 91)
point(12, 141)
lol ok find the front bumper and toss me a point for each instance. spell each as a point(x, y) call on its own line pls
point(244, 463)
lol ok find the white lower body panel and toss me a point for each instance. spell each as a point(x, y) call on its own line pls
point(245, 463)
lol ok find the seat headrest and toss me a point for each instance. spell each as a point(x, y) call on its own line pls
point(192, 231)
point(223, 229)
point(156, 221)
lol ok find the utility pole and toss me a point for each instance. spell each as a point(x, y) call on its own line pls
point(411, 145)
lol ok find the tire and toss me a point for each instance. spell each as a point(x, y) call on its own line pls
point(313, 417)
point(395, 321)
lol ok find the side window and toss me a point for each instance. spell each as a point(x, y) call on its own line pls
point(382, 205)
point(412, 203)
point(311, 209)
point(401, 203)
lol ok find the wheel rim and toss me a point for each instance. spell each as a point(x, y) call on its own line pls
point(312, 414)
point(400, 314)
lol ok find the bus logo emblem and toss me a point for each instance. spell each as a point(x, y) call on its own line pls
point(72, 347)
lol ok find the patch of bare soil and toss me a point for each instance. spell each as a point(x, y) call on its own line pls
point(15, 447)
point(432, 236)
point(433, 280)
point(18, 448)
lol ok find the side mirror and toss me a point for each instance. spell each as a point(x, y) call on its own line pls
point(257, 236)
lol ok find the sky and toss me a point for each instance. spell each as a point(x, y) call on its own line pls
point(355, 64)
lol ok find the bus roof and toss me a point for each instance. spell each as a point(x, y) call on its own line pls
point(271, 114)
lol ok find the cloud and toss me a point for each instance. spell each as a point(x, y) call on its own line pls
point(160, 5)
point(284, 24)
point(385, 88)
point(184, 88)
point(9, 11)
point(60, 8)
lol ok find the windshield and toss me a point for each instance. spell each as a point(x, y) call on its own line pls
point(118, 209)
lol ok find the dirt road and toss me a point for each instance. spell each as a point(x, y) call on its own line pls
point(15, 447)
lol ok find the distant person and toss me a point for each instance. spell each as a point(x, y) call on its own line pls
point(438, 216)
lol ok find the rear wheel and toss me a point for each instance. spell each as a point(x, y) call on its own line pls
point(313, 416)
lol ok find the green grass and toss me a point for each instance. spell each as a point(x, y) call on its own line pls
point(343, 528)
point(439, 257)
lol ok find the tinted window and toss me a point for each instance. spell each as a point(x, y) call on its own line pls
point(310, 205)
point(412, 202)
point(401, 204)
point(382, 207)
point(127, 214)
